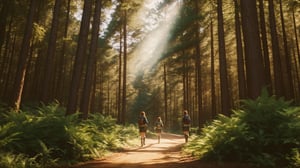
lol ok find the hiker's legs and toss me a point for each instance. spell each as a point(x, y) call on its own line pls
point(158, 137)
point(186, 135)
point(143, 137)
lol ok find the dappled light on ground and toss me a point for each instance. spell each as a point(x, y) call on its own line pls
point(153, 155)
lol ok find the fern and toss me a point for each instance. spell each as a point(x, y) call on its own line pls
point(263, 132)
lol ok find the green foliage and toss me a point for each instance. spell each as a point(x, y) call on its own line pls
point(264, 132)
point(45, 137)
point(10, 160)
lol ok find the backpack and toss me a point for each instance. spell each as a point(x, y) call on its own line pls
point(186, 120)
point(141, 121)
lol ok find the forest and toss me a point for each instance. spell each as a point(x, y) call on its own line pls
point(108, 60)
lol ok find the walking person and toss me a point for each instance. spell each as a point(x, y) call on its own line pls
point(186, 123)
point(158, 127)
point(143, 123)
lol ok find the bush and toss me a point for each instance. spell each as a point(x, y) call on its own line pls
point(45, 137)
point(264, 132)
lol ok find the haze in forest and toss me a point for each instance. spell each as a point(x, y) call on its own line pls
point(151, 48)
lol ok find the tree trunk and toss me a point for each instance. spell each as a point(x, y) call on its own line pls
point(9, 76)
point(92, 58)
point(165, 96)
point(265, 48)
point(198, 72)
point(119, 98)
point(4, 13)
point(184, 82)
point(79, 59)
point(287, 61)
point(254, 62)
point(225, 98)
point(61, 81)
point(212, 72)
point(240, 54)
point(5, 64)
point(297, 54)
point(24, 56)
point(124, 94)
point(93, 94)
point(275, 51)
point(49, 70)
point(296, 35)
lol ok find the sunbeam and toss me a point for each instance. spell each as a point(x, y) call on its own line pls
point(152, 47)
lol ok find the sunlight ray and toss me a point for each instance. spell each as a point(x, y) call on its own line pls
point(153, 45)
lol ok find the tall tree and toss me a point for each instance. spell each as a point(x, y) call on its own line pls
point(62, 71)
point(79, 59)
point(265, 48)
point(4, 13)
point(293, 6)
point(253, 56)
point(124, 90)
point(92, 58)
point(212, 71)
point(119, 98)
point(49, 70)
point(23, 58)
point(279, 90)
point(225, 98)
point(240, 54)
point(198, 69)
point(287, 60)
point(165, 97)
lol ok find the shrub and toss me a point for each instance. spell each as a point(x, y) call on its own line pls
point(45, 137)
point(264, 132)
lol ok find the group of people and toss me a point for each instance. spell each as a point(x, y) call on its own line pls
point(143, 123)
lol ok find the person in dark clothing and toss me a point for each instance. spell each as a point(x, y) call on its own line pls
point(186, 123)
point(143, 123)
point(158, 128)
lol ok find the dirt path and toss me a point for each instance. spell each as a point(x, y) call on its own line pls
point(166, 154)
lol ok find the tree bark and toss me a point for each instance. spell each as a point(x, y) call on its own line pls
point(49, 70)
point(253, 56)
point(124, 94)
point(279, 90)
point(23, 58)
point(62, 71)
point(287, 70)
point(165, 97)
point(79, 59)
point(296, 34)
point(265, 48)
point(92, 58)
point(4, 13)
point(212, 72)
point(225, 98)
point(198, 72)
point(240, 54)
point(119, 98)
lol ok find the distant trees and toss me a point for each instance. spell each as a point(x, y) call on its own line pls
point(79, 53)
point(19, 82)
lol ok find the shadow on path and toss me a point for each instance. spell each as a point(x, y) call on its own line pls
point(166, 154)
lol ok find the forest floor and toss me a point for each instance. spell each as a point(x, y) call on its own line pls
point(166, 154)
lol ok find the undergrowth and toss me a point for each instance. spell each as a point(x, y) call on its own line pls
point(44, 137)
point(264, 133)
